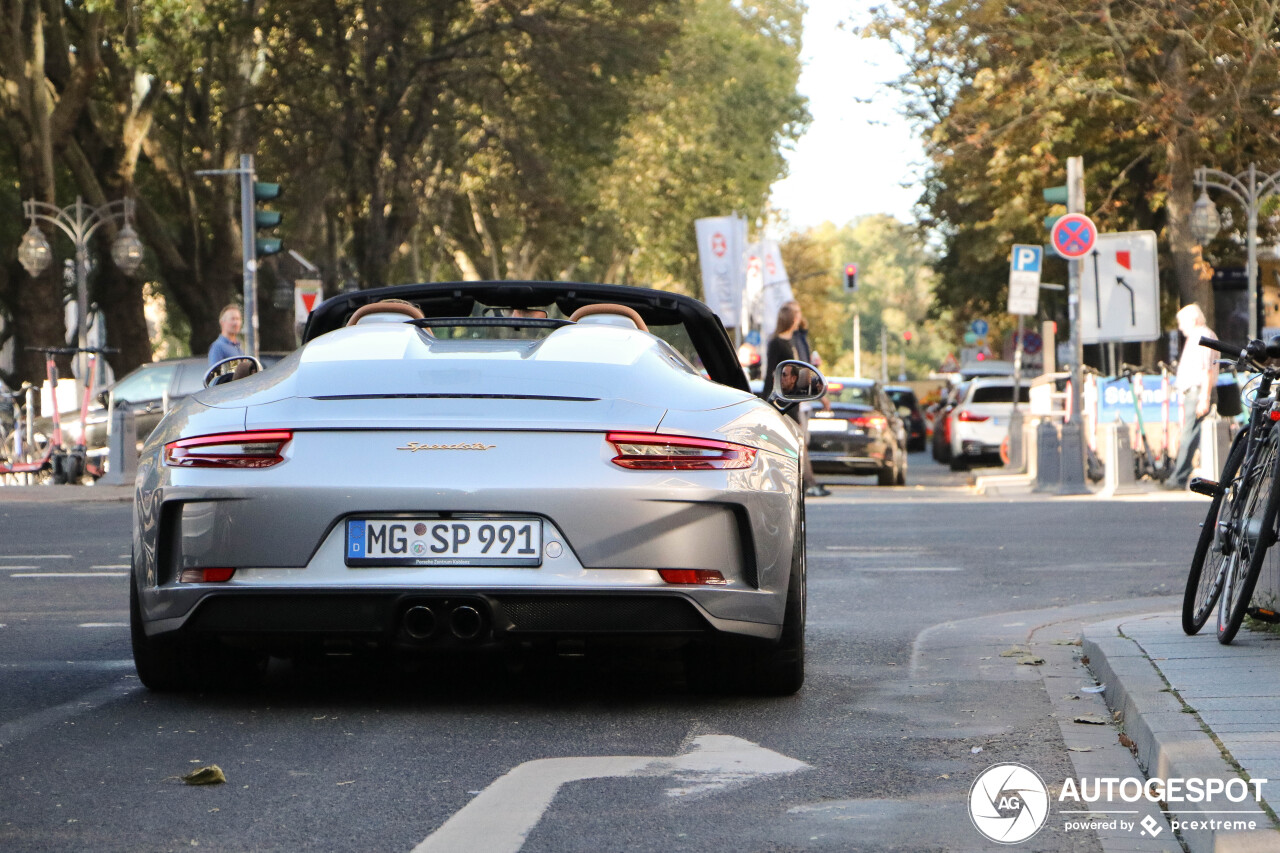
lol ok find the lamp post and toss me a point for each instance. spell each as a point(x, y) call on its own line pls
point(1250, 189)
point(80, 222)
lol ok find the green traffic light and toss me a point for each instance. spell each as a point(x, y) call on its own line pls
point(1055, 195)
point(263, 191)
point(266, 246)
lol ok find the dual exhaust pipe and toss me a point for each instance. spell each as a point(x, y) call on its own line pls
point(464, 622)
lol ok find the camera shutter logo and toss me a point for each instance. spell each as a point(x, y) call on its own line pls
point(1008, 803)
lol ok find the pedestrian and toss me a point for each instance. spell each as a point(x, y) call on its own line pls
point(1196, 377)
point(227, 344)
point(784, 346)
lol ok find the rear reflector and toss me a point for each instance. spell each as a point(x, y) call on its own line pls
point(875, 420)
point(652, 452)
point(206, 575)
point(970, 417)
point(256, 449)
point(699, 576)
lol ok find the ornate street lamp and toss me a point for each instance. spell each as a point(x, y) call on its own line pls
point(1250, 189)
point(80, 222)
point(33, 252)
point(1205, 221)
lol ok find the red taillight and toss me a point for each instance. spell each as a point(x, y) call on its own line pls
point(970, 417)
point(218, 575)
point(699, 576)
point(652, 452)
point(875, 420)
point(260, 449)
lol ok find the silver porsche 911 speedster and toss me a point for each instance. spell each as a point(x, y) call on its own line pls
point(472, 465)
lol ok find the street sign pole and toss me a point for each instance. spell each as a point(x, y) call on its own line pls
point(1072, 431)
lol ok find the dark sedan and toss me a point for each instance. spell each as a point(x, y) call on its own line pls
point(861, 433)
point(912, 416)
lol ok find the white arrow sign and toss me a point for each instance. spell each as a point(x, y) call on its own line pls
point(501, 816)
point(1120, 289)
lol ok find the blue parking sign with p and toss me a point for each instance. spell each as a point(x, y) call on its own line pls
point(1027, 258)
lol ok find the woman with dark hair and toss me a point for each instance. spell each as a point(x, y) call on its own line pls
point(785, 346)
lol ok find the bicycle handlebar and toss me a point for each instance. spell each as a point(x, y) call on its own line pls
point(1223, 347)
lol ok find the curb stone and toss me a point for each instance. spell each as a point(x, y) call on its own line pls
point(1170, 743)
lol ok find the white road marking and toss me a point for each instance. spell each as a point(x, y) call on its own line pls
point(907, 569)
point(112, 566)
point(103, 625)
point(18, 568)
point(501, 817)
point(69, 575)
point(68, 665)
point(35, 556)
point(20, 728)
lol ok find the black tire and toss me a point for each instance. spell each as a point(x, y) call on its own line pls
point(887, 475)
point(779, 670)
point(1216, 545)
point(1260, 501)
point(759, 669)
point(161, 664)
point(958, 463)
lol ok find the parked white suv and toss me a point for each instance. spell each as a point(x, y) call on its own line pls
point(980, 421)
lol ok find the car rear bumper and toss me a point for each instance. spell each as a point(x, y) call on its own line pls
point(420, 619)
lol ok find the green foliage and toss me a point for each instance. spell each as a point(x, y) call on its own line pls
point(895, 293)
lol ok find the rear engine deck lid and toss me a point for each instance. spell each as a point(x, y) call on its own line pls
point(469, 413)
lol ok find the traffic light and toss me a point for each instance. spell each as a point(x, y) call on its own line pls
point(906, 336)
point(850, 277)
point(1054, 195)
point(265, 219)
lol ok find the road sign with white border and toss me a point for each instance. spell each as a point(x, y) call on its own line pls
point(1073, 235)
point(1024, 279)
point(1127, 305)
point(979, 328)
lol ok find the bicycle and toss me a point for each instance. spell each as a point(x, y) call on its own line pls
point(1144, 458)
point(16, 444)
point(57, 464)
point(1240, 526)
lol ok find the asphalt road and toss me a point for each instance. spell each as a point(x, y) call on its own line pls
point(904, 706)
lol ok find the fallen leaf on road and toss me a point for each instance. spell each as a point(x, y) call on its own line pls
point(1013, 653)
point(211, 775)
point(1127, 741)
point(1091, 720)
point(1065, 642)
point(1031, 660)
point(1081, 748)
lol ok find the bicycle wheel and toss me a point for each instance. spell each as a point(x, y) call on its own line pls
point(1260, 500)
point(1216, 545)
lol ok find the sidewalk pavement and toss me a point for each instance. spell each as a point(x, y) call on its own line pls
point(1195, 708)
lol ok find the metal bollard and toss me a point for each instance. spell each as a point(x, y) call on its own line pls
point(122, 451)
point(1017, 448)
point(1048, 457)
point(1118, 455)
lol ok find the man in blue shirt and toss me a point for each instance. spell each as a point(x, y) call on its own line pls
point(227, 343)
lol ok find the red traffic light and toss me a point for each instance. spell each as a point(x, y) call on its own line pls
point(906, 336)
point(850, 269)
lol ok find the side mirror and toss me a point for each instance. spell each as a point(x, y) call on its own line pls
point(231, 369)
point(796, 382)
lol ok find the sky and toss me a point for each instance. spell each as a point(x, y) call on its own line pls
point(858, 151)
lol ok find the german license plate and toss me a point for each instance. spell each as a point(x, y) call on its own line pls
point(828, 424)
point(512, 542)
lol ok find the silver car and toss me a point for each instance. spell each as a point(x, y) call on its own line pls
point(469, 465)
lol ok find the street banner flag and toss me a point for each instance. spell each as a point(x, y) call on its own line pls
point(775, 287)
point(721, 249)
